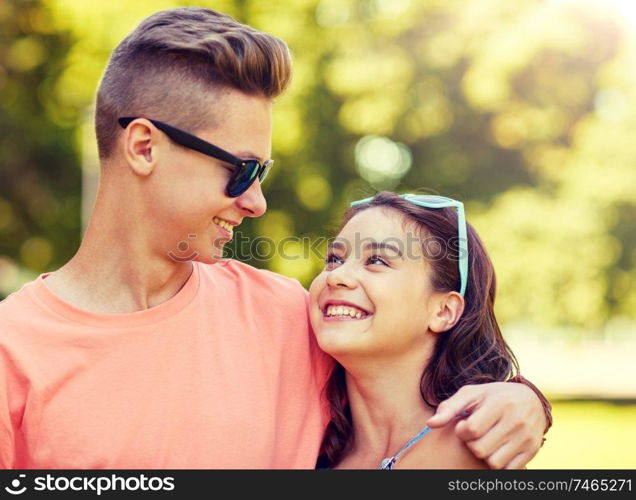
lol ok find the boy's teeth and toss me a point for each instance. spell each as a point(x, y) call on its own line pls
point(223, 224)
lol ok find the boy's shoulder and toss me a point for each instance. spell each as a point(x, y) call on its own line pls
point(17, 303)
point(20, 313)
point(241, 273)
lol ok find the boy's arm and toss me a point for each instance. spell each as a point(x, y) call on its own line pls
point(6, 427)
point(506, 424)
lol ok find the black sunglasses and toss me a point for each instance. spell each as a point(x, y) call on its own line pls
point(243, 177)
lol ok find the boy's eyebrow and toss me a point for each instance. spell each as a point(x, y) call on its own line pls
point(375, 245)
point(249, 154)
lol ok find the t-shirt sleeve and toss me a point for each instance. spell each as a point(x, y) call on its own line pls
point(322, 366)
point(7, 438)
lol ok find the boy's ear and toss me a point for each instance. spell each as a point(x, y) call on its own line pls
point(140, 141)
point(447, 310)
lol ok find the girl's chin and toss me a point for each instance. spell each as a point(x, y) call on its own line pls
point(334, 340)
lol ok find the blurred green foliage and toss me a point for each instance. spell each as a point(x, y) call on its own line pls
point(525, 110)
point(40, 176)
point(589, 435)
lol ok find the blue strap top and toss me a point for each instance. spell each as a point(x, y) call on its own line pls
point(389, 462)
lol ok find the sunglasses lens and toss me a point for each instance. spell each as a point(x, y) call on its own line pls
point(266, 168)
point(243, 178)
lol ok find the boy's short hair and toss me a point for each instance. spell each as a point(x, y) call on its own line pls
point(176, 61)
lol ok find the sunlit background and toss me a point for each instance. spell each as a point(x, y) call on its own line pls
point(525, 110)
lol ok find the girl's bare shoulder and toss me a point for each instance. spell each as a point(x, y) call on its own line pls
point(441, 449)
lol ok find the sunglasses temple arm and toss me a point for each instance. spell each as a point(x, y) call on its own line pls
point(187, 140)
point(197, 144)
point(463, 248)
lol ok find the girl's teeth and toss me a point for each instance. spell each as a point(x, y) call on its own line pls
point(344, 311)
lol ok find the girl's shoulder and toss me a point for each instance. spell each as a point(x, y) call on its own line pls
point(441, 449)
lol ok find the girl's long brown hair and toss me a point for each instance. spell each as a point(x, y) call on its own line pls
point(471, 352)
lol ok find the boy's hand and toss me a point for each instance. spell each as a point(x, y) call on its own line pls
point(504, 426)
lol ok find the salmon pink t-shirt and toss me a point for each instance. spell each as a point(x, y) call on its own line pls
point(225, 374)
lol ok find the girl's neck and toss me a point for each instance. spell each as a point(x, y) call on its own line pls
point(387, 410)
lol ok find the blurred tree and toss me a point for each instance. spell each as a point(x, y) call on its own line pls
point(523, 109)
point(40, 178)
point(518, 108)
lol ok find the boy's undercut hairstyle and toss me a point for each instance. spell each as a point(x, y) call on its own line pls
point(174, 64)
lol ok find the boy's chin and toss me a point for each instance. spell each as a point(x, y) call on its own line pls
point(210, 259)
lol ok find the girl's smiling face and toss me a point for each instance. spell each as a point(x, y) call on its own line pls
point(374, 295)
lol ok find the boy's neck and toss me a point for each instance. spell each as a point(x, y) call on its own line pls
point(115, 270)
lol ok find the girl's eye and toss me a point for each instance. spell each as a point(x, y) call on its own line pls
point(374, 259)
point(332, 260)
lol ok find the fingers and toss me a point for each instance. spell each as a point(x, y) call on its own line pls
point(503, 446)
point(514, 454)
point(447, 410)
point(481, 424)
point(503, 429)
point(482, 442)
point(520, 461)
point(506, 444)
point(502, 456)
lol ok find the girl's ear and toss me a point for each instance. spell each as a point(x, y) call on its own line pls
point(447, 310)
